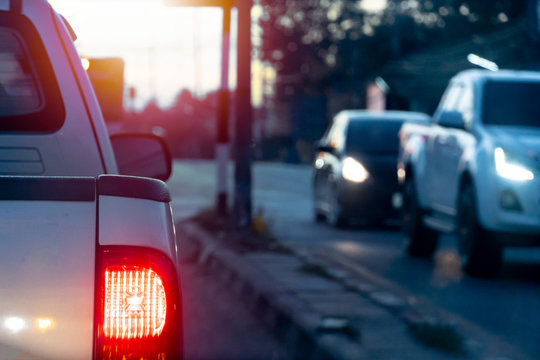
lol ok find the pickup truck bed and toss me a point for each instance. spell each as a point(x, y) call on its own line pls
point(88, 258)
point(51, 230)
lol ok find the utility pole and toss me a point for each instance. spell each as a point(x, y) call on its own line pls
point(243, 137)
point(242, 209)
point(222, 140)
point(222, 136)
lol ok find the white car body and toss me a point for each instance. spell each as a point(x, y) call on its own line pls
point(440, 157)
point(58, 212)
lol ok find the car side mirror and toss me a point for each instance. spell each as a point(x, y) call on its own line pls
point(452, 119)
point(143, 155)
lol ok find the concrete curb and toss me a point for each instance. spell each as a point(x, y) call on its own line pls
point(283, 312)
point(310, 334)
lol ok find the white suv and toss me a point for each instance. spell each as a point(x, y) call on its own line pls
point(475, 169)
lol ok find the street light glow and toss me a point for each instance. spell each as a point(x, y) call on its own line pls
point(85, 63)
point(482, 62)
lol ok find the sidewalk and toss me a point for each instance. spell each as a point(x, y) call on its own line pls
point(378, 312)
point(320, 313)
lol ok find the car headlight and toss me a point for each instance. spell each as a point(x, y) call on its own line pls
point(354, 171)
point(511, 170)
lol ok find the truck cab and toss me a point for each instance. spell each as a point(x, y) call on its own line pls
point(88, 258)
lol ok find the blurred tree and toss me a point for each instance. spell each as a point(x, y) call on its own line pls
point(302, 38)
point(432, 22)
point(314, 43)
point(325, 51)
point(188, 126)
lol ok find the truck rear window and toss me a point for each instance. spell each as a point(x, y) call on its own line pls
point(30, 99)
point(20, 93)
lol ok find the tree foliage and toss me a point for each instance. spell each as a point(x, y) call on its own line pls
point(321, 41)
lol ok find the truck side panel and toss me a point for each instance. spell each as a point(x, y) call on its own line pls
point(137, 222)
point(47, 257)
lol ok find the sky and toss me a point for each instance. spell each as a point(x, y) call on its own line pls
point(165, 49)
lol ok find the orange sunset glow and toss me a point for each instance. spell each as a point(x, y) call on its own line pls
point(165, 49)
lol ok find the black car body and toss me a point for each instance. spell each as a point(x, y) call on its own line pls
point(354, 174)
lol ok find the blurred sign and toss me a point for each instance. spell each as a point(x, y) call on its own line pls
point(197, 3)
point(107, 77)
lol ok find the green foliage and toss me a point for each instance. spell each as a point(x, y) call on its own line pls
point(316, 43)
point(431, 22)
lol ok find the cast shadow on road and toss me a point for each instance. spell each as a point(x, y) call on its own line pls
point(447, 264)
point(522, 271)
point(525, 269)
point(381, 225)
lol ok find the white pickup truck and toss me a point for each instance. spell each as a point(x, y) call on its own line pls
point(88, 257)
point(475, 169)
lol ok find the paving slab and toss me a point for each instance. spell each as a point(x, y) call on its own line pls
point(345, 304)
point(320, 317)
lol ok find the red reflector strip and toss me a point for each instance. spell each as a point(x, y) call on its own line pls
point(135, 303)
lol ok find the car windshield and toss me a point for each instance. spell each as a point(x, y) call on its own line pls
point(373, 137)
point(517, 103)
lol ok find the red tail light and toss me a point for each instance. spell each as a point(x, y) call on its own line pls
point(135, 303)
point(138, 305)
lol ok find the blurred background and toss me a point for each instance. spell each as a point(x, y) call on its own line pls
point(157, 68)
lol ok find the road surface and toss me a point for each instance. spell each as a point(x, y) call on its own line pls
point(217, 326)
point(508, 306)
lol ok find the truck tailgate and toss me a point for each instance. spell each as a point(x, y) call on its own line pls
point(47, 266)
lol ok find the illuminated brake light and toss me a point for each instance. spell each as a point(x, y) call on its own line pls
point(135, 303)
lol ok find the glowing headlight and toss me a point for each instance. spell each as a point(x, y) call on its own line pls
point(354, 171)
point(511, 171)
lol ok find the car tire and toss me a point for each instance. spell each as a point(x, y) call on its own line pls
point(421, 241)
point(318, 216)
point(336, 215)
point(479, 250)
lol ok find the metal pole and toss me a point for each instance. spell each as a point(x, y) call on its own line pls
point(222, 140)
point(242, 171)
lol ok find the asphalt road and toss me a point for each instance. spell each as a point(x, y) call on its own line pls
point(508, 306)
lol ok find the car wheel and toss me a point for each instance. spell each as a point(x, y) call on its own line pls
point(337, 216)
point(421, 241)
point(479, 250)
point(318, 216)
